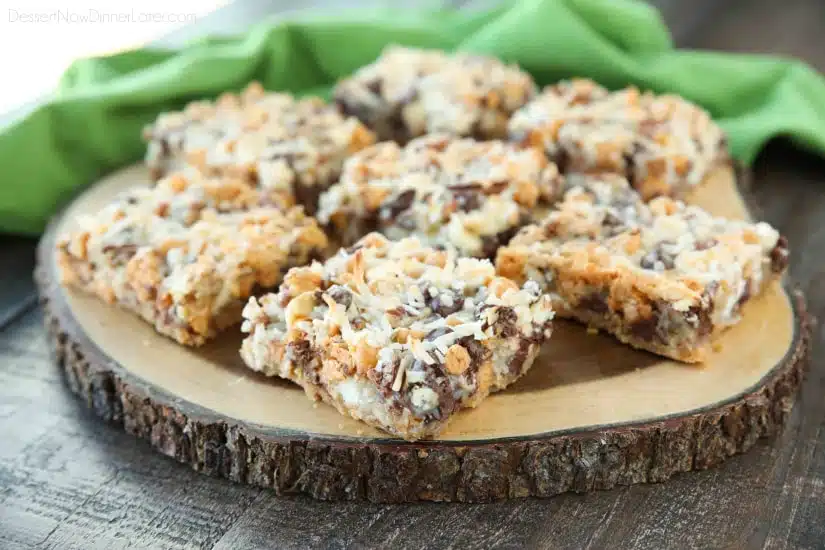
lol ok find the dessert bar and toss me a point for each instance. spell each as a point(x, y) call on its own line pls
point(410, 92)
point(397, 334)
point(294, 147)
point(186, 254)
point(663, 144)
point(660, 276)
point(446, 191)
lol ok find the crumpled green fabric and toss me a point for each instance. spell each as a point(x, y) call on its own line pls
point(92, 125)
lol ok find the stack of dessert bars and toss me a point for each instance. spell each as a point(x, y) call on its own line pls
point(401, 252)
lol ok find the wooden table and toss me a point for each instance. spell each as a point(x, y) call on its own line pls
point(69, 481)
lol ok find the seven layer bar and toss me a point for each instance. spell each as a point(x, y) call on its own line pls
point(447, 191)
point(397, 334)
point(293, 147)
point(410, 92)
point(186, 254)
point(661, 276)
point(663, 144)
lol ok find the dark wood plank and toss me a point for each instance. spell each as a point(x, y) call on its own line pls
point(16, 283)
point(790, 28)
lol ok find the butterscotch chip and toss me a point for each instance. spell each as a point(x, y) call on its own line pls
point(457, 359)
point(366, 357)
point(510, 262)
point(424, 340)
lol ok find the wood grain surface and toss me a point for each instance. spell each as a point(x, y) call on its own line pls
point(69, 481)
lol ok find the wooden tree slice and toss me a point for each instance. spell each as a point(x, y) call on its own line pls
point(591, 414)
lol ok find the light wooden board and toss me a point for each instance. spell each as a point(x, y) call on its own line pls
point(581, 384)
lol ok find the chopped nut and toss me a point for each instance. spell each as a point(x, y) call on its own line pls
point(300, 307)
point(300, 280)
point(500, 285)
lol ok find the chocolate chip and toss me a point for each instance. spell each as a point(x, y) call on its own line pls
point(517, 361)
point(301, 350)
point(307, 195)
point(491, 243)
point(706, 243)
point(562, 160)
point(489, 246)
point(342, 105)
point(612, 223)
point(120, 254)
point(375, 86)
point(397, 205)
point(447, 307)
point(466, 186)
point(779, 255)
point(447, 403)
point(506, 320)
point(385, 376)
point(658, 255)
point(746, 294)
point(398, 128)
point(349, 108)
point(704, 323)
point(645, 329)
point(467, 201)
point(435, 333)
point(596, 302)
point(477, 351)
point(340, 294)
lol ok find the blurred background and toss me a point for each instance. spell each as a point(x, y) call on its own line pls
point(40, 38)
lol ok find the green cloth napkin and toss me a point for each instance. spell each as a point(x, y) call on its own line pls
point(92, 126)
